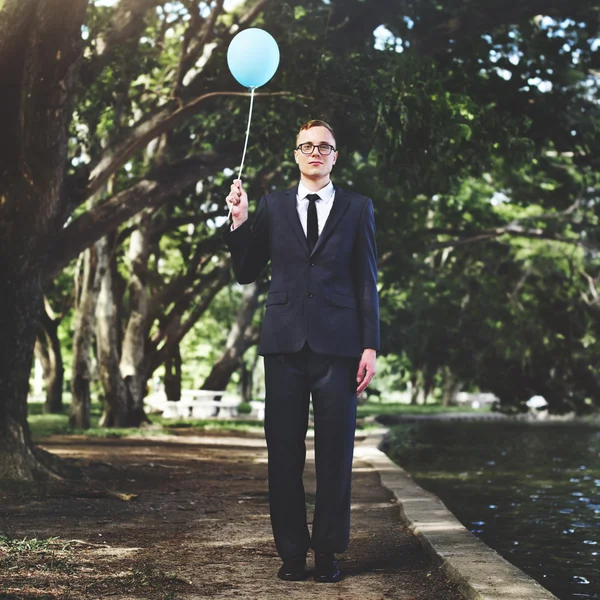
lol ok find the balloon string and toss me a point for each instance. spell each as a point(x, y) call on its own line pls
point(246, 141)
point(247, 132)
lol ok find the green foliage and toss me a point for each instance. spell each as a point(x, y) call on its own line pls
point(494, 275)
point(204, 344)
point(244, 408)
point(474, 128)
point(376, 409)
point(12, 545)
point(50, 555)
point(222, 425)
point(44, 425)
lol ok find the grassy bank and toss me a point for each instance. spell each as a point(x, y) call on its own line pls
point(372, 409)
point(43, 425)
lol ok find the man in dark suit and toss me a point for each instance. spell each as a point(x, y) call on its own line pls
point(319, 338)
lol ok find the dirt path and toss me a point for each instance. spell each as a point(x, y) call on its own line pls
point(197, 527)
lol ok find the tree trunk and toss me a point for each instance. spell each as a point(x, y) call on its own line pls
point(19, 303)
point(40, 47)
point(49, 353)
point(173, 374)
point(246, 382)
point(450, 387)
point(428, 383)
point(94, 267)
point(254, 391)
point(20, 299)
point(415, 388)
point(133, 364)
point(241, 336)
point(107, 351)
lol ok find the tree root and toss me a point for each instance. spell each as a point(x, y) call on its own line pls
point(20, 461)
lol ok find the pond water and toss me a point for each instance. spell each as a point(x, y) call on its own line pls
point(530, 491)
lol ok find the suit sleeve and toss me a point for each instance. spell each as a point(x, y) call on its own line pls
point(249, 245)
point(368, 298)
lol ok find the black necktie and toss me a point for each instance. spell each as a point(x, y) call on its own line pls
point(312, 225)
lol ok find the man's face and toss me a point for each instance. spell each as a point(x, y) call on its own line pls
point(315, 165)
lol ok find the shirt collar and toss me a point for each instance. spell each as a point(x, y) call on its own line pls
point(325, 193)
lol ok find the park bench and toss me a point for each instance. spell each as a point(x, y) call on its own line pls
point(257, 410)
point(476, 400)
point(202, 404)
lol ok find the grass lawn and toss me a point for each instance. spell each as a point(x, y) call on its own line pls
point(43, 425)
point(372, 409)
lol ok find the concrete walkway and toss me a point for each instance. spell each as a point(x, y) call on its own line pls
point(186, 517)
point(390, 512)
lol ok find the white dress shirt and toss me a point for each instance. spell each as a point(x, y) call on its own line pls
point(324, 204)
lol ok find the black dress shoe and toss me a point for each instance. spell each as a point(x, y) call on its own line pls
point(326, 568)
point(293, 569)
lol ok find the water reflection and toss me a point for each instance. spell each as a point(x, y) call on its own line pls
point(532, 492)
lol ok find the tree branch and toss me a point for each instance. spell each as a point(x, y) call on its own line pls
point(169, 224)
point(248, 17)
point(483, 16)
point(205, 250)
point(206, 296)
point(165, 120)
point(126, 24)
point(157, 188)
point(195, 75)
point(172, 223)
point(592, 282)
point(195, 46)
point(172, 329)
point(511, 229)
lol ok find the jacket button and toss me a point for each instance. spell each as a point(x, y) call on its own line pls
point(309, 295)
point(311, 264)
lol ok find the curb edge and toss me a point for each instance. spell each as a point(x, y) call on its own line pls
point(480, 572)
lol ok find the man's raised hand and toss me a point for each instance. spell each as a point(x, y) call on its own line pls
point(237, 201)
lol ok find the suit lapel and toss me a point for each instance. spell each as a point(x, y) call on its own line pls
point(340, 205)
point(292, 214)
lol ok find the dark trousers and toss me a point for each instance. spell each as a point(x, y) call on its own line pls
point(290, 380)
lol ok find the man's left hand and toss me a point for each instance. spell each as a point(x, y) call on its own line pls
point(366, 369)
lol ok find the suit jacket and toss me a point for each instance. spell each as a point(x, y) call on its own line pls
point(327, 298)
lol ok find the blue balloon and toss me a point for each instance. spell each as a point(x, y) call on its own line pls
point(253, 57)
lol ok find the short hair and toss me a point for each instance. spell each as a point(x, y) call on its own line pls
point(316, 123)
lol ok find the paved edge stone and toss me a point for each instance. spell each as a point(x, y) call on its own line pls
point(480, 572)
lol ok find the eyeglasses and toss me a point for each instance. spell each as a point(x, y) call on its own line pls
point(308, 148)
